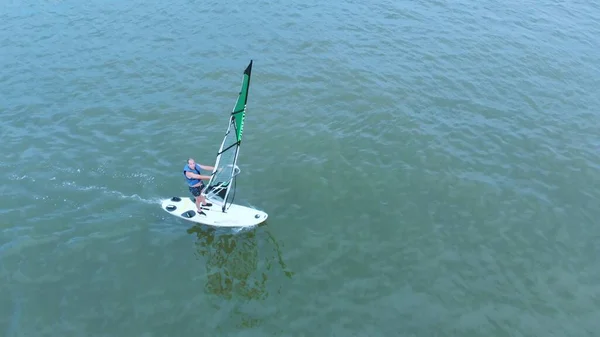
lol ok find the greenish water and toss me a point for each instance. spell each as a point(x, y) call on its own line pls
point(429, 168)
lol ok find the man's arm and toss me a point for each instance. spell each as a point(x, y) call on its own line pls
point(205, 167)
point(197, 176)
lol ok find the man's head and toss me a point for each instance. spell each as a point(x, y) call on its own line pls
point(191, 163)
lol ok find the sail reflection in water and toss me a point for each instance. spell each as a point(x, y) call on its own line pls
point(233, 258)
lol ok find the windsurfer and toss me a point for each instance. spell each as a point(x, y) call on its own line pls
point(194, 179)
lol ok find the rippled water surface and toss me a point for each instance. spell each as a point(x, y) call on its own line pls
point(429, 168)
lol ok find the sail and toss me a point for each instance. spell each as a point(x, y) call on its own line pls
point(222, 182)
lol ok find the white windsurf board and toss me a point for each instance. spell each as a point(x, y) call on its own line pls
point(234, 215)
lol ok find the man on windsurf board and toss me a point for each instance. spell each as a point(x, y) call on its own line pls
point(191, 172)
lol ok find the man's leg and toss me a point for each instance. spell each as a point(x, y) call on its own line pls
point(197, 193)
point(203, 198)
point(198, 202)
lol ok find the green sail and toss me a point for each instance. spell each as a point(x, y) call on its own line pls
point(225, 169)
point(239, 111)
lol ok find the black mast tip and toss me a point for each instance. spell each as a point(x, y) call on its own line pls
point(248, 68)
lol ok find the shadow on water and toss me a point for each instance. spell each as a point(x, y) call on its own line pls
point(239, 262)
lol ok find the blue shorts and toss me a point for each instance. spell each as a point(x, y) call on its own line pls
point(196, 191)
